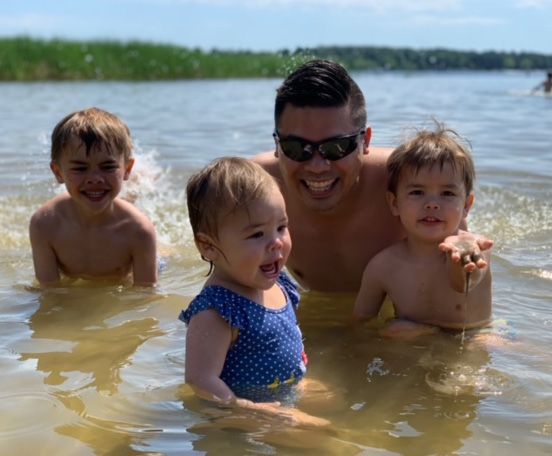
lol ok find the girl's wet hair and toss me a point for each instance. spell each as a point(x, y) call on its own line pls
point(428, 148)
point(96, 129)
point(224, 186)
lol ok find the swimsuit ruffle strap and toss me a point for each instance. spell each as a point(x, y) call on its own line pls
point(224, 302)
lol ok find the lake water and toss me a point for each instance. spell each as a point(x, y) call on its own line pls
point(100, 369)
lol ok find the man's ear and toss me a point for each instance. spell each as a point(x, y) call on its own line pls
point(392, 202)
point(128, 168)
point(206, 246)
point(367, 138)
point(470, 199)
point(57, 172)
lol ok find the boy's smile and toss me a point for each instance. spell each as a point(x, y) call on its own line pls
point(431, 203)
point(93, 180)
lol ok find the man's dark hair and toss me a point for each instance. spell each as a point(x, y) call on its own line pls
point(321, 84)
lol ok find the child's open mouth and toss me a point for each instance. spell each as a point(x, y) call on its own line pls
point(95, 195)
point(271, 270)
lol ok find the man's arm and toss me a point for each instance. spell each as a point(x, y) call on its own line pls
point(144, 257)
point(44, 258)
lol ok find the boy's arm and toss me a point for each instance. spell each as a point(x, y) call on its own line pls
point(371, 294)
point(144, 258)
point(466, 254)
point(44, 258)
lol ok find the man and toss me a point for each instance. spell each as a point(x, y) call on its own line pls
point(333, 182)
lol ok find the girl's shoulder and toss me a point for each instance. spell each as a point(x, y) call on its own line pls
point(290, 289)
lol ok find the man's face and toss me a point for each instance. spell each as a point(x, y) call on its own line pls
point(319, 184)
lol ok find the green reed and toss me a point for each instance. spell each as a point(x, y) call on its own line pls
point(26, 59)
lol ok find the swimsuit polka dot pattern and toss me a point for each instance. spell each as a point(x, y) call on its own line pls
point(268, 353)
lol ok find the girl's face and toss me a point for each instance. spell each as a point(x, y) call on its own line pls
point(252, 247)
point(430, 203)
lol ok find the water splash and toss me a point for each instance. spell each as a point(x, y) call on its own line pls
point(375, 367)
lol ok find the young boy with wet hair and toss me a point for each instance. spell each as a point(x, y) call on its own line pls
point(430, 190)
point(88, 232)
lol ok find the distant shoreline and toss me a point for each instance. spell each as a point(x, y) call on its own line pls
point(29, 59)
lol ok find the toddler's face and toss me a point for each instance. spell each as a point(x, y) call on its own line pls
point(431, 203)
point(253, 244)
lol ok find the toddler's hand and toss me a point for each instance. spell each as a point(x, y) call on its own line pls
point(465, 248)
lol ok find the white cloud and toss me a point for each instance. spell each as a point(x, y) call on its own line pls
point(457, 21)
point(29, 22)
point(533, 4)
point(376, 5)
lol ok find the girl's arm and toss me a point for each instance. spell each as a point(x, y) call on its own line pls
point(207, 342)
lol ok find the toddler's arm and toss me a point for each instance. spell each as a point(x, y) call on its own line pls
point(207, 342)
point(466, 253)
point(371, 294)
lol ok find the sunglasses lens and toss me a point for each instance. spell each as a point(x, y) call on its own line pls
point(294, 150)
point(338, 148)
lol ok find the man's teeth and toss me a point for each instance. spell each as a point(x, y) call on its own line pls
point(319, 186)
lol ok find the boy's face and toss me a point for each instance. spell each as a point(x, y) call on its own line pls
point(92, 180)
point(430, 203)
point(252, 246)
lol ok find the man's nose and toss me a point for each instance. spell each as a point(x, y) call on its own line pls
point(318, 163)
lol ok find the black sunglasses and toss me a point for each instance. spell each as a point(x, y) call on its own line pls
point(300, 150)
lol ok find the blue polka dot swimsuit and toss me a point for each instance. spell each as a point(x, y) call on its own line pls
point(268, 357)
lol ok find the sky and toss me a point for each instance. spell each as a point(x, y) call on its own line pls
point(272, 25)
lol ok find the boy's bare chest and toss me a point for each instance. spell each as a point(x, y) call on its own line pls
point(96, 253)
point(424, 294)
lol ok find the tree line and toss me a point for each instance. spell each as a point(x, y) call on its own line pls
point(28, 59)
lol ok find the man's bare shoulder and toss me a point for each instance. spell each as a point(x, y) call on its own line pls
point(377, 156)
point(269, 162)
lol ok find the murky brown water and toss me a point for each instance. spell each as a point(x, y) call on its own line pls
point(94, 370)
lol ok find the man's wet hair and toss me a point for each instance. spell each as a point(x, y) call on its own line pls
point(321, 84)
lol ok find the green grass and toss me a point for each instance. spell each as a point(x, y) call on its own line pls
point(28, 59)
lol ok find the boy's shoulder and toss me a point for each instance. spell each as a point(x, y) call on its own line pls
point(131, 216)
point(388, 261)
point(390, 254)
point(52, 211)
